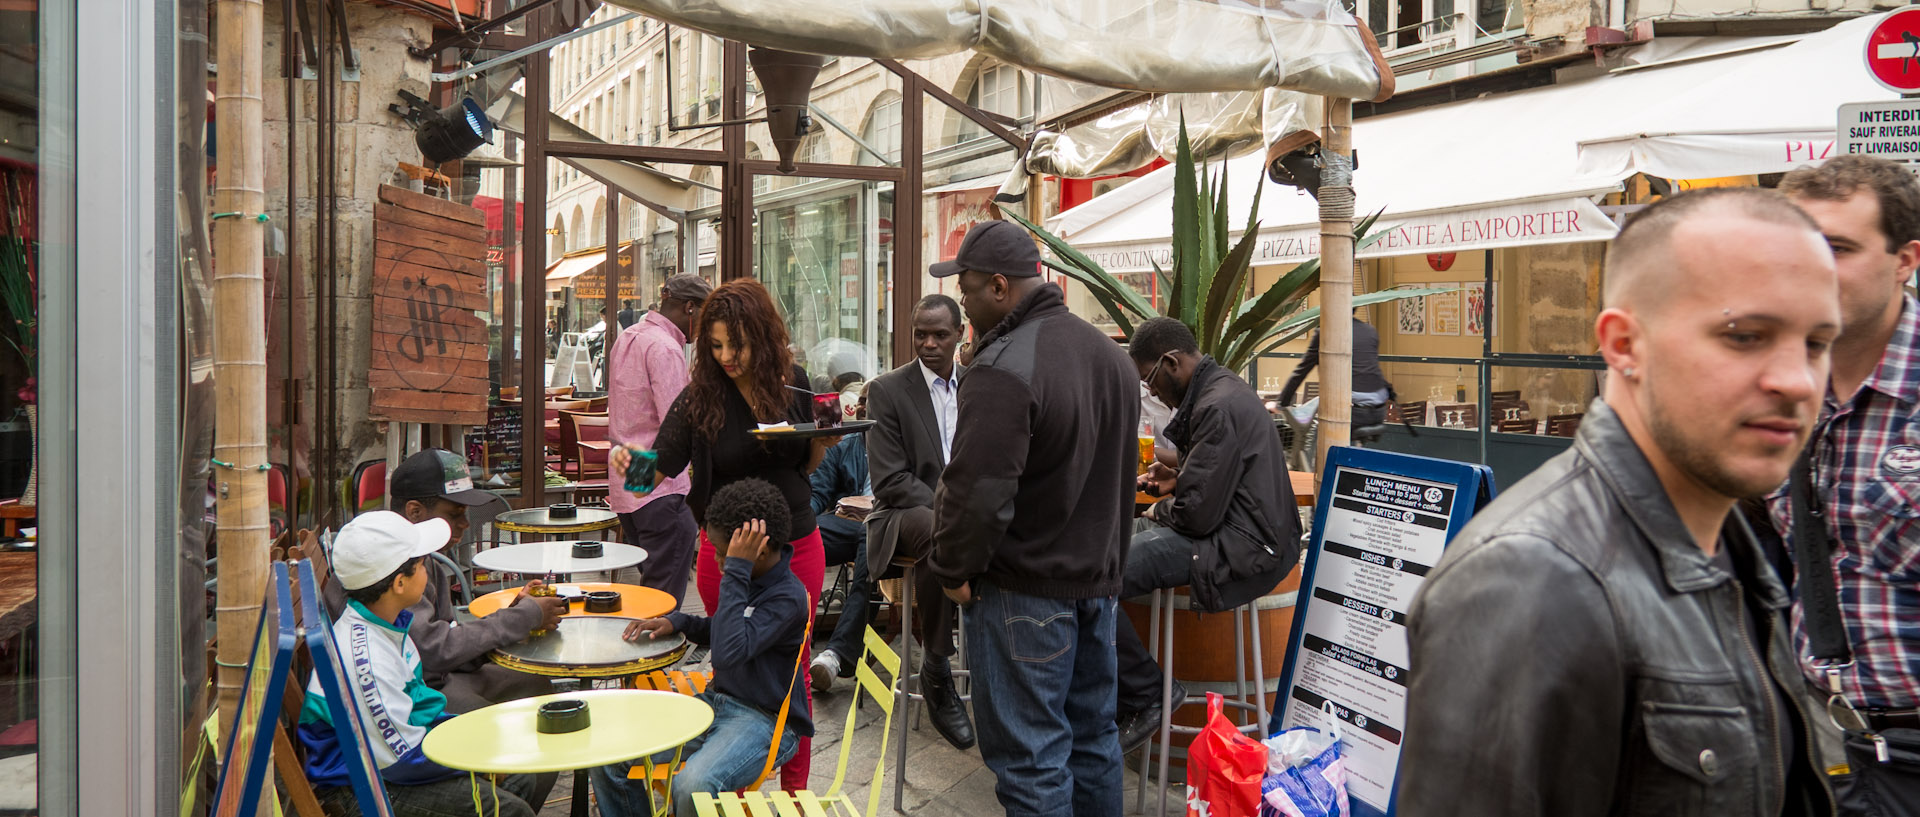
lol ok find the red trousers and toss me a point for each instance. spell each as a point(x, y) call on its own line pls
point(810, 564)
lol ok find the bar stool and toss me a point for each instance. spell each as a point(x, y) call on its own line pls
point(910, 672)
point(1160, 620)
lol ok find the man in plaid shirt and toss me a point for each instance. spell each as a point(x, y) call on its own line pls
point(1866, 458)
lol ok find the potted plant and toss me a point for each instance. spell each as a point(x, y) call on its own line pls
point(1206, 287)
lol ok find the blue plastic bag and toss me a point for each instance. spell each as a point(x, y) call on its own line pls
point(1306, 776)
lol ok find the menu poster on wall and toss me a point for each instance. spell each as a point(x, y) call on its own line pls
point(1476, 305)
point(1412, 314)
point(1443, 313)
point(1380, 525)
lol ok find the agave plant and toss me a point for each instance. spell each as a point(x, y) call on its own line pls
point(1209, 276)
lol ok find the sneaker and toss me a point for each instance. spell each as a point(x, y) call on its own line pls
point(825, 667)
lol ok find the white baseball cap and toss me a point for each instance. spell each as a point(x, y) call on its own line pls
point(376, 543)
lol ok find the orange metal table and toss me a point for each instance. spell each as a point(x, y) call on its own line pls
point(635, 601)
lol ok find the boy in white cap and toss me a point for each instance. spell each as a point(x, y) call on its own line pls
point(433, 484)
point(378, 559)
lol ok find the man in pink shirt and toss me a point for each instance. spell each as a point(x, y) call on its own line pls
point(647, 368)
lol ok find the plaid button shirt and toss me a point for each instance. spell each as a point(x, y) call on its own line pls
point(1867, 470)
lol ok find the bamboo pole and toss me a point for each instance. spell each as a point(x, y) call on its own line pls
point(239, 341)
point(1336, 280)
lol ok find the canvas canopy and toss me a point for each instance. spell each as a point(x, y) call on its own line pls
point(1156, 46)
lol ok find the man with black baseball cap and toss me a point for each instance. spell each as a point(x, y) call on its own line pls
point(1031, 521)
point(434, 484)
point(993, 248)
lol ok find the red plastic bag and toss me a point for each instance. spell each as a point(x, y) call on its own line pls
point(1224, 768)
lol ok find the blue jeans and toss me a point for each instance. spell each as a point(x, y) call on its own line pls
point(727, 757)
point(1043, 686)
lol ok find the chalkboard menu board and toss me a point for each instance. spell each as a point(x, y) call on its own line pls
point(1380, 525)
point(501, 441)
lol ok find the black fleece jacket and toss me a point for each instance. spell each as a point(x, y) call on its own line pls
point(1038, 496)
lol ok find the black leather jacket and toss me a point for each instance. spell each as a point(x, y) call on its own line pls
point(1574, 653)
point(1234, 500)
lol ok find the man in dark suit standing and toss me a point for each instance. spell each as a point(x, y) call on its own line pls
point(1371, 391)
point(914, 408)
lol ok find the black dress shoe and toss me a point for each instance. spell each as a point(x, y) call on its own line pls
point(944, 708)
point(1138, 726)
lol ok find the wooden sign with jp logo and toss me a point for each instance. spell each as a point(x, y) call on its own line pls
point(428, 362)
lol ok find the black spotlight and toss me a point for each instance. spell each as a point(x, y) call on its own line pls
point(449, 134)
point(1298, 168)
point(787, 77)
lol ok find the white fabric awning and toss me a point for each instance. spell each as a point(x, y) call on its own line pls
point(1766, 112)
point(1499, 171)
point(561, 273)
point(1558, 220)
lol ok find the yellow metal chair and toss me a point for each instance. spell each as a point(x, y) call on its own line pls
point(834, 803)
point(659, 775)
point(685, 683)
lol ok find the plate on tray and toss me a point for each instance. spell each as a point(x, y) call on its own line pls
point(802, 431)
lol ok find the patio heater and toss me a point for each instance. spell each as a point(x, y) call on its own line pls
point(787, 79)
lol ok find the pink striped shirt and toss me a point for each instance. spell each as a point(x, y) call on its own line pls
point(647, 369)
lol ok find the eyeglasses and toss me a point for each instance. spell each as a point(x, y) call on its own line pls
point(1153, 371)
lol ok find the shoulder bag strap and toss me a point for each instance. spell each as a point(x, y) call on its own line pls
point(780, 720)
point(1813, 562)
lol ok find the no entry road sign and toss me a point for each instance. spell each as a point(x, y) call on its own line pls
point(1893, 51)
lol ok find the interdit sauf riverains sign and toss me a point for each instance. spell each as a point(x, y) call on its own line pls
point(1554, 222)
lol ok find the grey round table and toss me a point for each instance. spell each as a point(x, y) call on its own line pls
point(540, 558)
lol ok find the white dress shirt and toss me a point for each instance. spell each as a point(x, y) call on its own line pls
point(946, 406)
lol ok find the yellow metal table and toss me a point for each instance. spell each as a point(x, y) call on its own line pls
point(625, 724)
point(538, 521)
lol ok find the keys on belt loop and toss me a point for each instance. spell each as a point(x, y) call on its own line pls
point(1844, 716)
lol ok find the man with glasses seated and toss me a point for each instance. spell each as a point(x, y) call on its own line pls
point(1230, 530)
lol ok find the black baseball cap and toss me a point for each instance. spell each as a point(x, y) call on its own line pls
point(436, 472)
point(995, 248)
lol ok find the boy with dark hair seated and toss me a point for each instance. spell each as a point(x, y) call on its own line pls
point(755, 636)
point(378, 559)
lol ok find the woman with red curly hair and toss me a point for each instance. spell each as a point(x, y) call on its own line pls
point(742, 367)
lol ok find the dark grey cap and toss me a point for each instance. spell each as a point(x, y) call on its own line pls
point(994, 248)
point(687, 287)
point(436, 472)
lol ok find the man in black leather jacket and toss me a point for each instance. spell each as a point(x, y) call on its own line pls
point(1230, 529)
point(1605, 638)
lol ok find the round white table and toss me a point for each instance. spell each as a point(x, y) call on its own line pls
point(541, 558)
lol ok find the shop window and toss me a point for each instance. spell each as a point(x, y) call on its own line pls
point(761, 181)
point(996, 88)
point(1406, 23)
point(883, 130)
point(1496, 16)
point(1002, 89)
point(815, 149)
